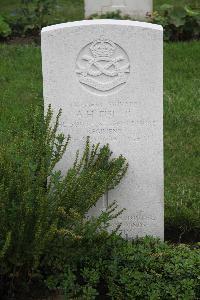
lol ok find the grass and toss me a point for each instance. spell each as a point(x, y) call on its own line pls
point(21, 86)
point(182, 139)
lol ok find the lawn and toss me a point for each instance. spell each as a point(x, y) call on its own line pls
point(182, 139)
point(21, 87)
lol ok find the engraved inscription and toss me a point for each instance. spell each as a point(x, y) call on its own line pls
point(130, 222)
point(102, 66)
point(111, 121)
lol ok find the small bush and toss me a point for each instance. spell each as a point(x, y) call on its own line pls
point(110, 15)
point(5, 29)
point(40, 208)
point(32, 16)
point(179, 23)
point(142, 269)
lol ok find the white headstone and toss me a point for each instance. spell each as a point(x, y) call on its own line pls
point(107, 76)
point(134, 8)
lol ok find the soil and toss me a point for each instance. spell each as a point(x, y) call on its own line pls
point(16, 40)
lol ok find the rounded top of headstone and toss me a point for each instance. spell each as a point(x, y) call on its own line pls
point(103, 22)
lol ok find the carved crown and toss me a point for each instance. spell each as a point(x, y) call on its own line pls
point(102, 48)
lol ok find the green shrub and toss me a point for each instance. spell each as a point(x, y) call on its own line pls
point(179, 22)
point(40, 208)
point(32, 16)
point(142, 269)
point(5, 29)
point(110, 15)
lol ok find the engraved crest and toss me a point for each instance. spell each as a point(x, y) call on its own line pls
point(102, 66)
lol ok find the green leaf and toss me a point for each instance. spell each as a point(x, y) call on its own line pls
point(166, 7)
point(179, 12)
point(5, 29)
point(176, 21)
point(191, 12)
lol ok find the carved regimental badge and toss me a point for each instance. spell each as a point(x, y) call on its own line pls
point(102, 66)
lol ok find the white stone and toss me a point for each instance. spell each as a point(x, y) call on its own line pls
point(107, 76)
point(134, 8)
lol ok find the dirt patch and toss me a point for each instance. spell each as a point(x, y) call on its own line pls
point(28, 40)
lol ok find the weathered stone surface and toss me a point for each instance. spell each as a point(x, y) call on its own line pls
point(134, 8)
point(107, 77)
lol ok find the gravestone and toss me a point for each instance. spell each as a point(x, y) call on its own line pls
point(107, 76)
point(134, 8)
